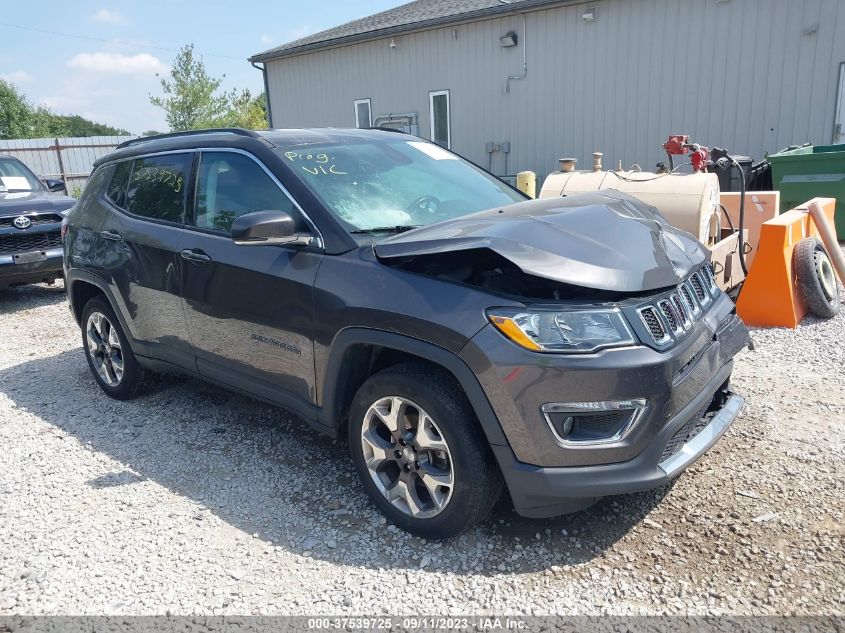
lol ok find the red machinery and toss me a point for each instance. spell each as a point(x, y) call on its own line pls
point(679, 144)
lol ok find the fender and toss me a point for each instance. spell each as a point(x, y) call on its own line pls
point(74, 275)
point(352, 336)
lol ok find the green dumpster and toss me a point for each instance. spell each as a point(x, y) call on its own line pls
point(810, 172)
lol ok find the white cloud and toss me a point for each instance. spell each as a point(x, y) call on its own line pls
point(143, 63)
point(17, 77)
point(118, 100)
point(266, 39)
point(108, 17)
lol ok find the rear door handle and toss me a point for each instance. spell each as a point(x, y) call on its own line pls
point(196, 257)
point(111, 235)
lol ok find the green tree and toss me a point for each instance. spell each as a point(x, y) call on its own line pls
point(245, 110)
point(190, 101)
point(20, 119)
point(15, 112)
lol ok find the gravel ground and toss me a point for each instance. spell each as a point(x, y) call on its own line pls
point(194, 501)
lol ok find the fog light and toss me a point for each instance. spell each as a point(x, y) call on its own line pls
point(592, 423)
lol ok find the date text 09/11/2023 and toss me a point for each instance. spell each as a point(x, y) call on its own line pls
point(486, 623)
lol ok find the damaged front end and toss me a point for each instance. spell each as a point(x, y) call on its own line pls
point(603, 245)
point(484, 268)
point(594, 271)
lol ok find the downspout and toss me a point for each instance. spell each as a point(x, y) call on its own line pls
point(263, 69)
point(524, 58)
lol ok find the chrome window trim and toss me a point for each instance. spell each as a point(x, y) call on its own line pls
point(637, 407)
point(320, 243)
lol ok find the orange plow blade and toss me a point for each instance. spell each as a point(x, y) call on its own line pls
point(770, 297)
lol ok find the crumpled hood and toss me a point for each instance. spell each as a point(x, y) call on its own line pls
point(19, 203)
point(605, 240)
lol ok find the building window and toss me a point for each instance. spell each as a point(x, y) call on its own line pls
point(363, 113)
point(441, 125)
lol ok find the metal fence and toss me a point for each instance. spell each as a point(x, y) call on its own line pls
point(67, 158)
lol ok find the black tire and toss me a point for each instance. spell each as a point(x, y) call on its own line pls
point(477, 481)
point(133, 380)
point(815, 277)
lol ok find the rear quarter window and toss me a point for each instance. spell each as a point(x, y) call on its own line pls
point(116, 191)
point(157, 186)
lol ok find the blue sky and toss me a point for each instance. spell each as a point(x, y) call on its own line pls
point(108, 76)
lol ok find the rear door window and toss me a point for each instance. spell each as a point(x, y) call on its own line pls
point(157, 187)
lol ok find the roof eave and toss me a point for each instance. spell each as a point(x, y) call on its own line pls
point(422, 25)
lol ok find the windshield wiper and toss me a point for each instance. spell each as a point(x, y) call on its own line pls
point(387, 229)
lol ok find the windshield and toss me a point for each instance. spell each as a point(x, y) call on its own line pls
point(395, 184)
point(15, 177)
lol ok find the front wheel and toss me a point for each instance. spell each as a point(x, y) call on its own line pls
point(418, 451)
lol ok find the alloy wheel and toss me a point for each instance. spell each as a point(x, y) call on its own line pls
point(104, 348)
point(407, 457)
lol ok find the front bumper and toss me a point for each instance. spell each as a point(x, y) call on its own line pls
point(546, 477)
point(544, 492)
point(47, 269)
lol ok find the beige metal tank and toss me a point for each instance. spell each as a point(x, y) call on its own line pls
point(688, 201)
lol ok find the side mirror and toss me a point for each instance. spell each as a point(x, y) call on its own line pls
point(261, 228)
point(55, 186)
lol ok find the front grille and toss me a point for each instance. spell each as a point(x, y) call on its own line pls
point(698, 287)
point(652, 322)
point(693, 427)
point(689, 302)
point(669, 312)
point(709, 278)
point(672, 316)
point(26, 242)
point(682, 310)
point(37, 219)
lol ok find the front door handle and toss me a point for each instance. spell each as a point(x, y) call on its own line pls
point(195, 257)
point(111, 235)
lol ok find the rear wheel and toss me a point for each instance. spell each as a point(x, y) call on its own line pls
point(419, 453)
point(815, 277)
point(109, 356)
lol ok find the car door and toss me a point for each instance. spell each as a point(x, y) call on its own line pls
point(138, 242)
point(249, 309)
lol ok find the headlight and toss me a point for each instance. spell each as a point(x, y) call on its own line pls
point(578, 331)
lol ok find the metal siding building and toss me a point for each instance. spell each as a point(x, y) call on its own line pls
point(750, 75)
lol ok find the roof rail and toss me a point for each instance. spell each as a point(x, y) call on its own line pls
point(218, 130)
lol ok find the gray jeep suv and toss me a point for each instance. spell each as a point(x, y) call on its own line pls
point(461, 337)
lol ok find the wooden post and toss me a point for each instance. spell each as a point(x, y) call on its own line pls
point(61, 163)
